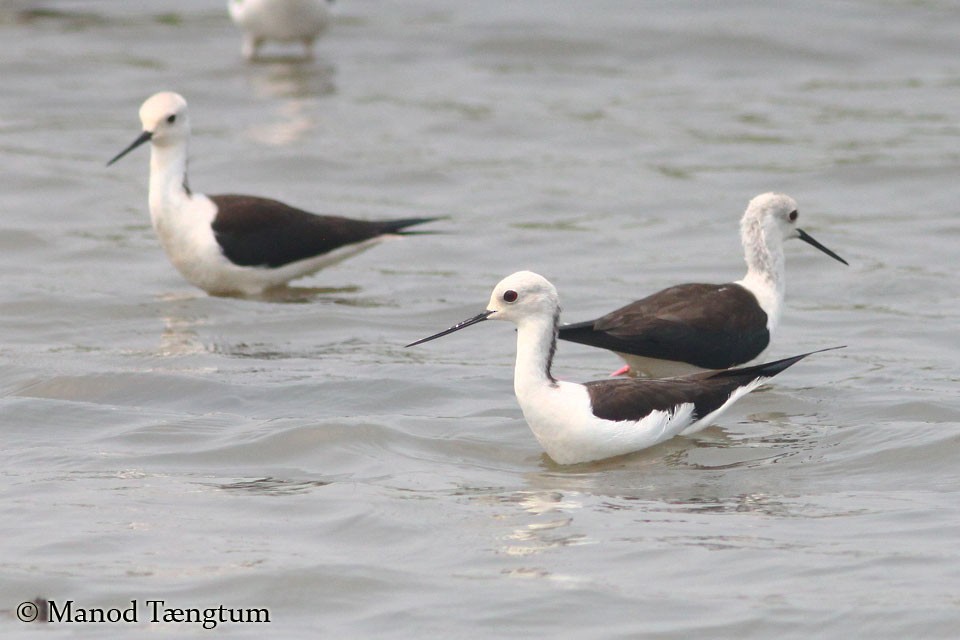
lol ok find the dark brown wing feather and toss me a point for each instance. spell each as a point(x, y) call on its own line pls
point(713, 326)
point(632, 399)
point(259, 232)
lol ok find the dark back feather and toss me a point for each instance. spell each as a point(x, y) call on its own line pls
point(259, 232)
point(712, 326)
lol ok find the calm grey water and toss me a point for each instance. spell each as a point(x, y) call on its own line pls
point(290, 454)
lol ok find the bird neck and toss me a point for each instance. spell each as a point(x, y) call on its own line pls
point(168, 175)
point(766, 273)
point(536, 344)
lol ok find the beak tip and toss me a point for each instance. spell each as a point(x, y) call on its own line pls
point(144, 137)
point(806, 237)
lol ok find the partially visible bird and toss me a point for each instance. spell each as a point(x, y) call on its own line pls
point(695, 327)
point(603, 418)
point(281, 21)
point(235, 244)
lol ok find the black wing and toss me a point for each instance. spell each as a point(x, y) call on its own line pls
point(632, 399)
point(259, 232)
point(713, 326)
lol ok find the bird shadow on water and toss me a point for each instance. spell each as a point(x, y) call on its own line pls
point(685, 473)
point(291, 77)
point(293, 84)
point(184, 316)
point(683, 478)
point(285, 294)
point(302, 295)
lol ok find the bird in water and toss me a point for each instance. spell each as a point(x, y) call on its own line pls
point(280, 21)
point(604, 418)
point(238, 244)
point(696, 327)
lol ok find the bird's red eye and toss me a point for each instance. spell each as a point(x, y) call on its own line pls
point(510, 296)
point(793, 215)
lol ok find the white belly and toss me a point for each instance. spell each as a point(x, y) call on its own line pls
point(655, 368)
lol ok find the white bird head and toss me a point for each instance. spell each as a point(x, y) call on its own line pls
point(770, 219)
point(523, 295)
point(165, 122)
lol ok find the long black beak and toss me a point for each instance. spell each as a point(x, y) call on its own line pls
point(460, 325)
point(144, 137)
point(806, 237)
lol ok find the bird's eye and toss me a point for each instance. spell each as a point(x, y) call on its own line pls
point(510, 296)
point(172, 119)
point(793, 215)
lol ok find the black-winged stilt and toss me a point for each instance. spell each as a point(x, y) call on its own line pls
point(233, 244)
point(695, 327)
point(604, 418)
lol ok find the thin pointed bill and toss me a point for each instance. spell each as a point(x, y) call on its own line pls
point(144, 137)
point(806, 237)
point(460, 325)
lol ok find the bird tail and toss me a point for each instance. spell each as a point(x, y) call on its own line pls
point(584, 333)
point(572, 331)
point(768, 369)
point(399, 227)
